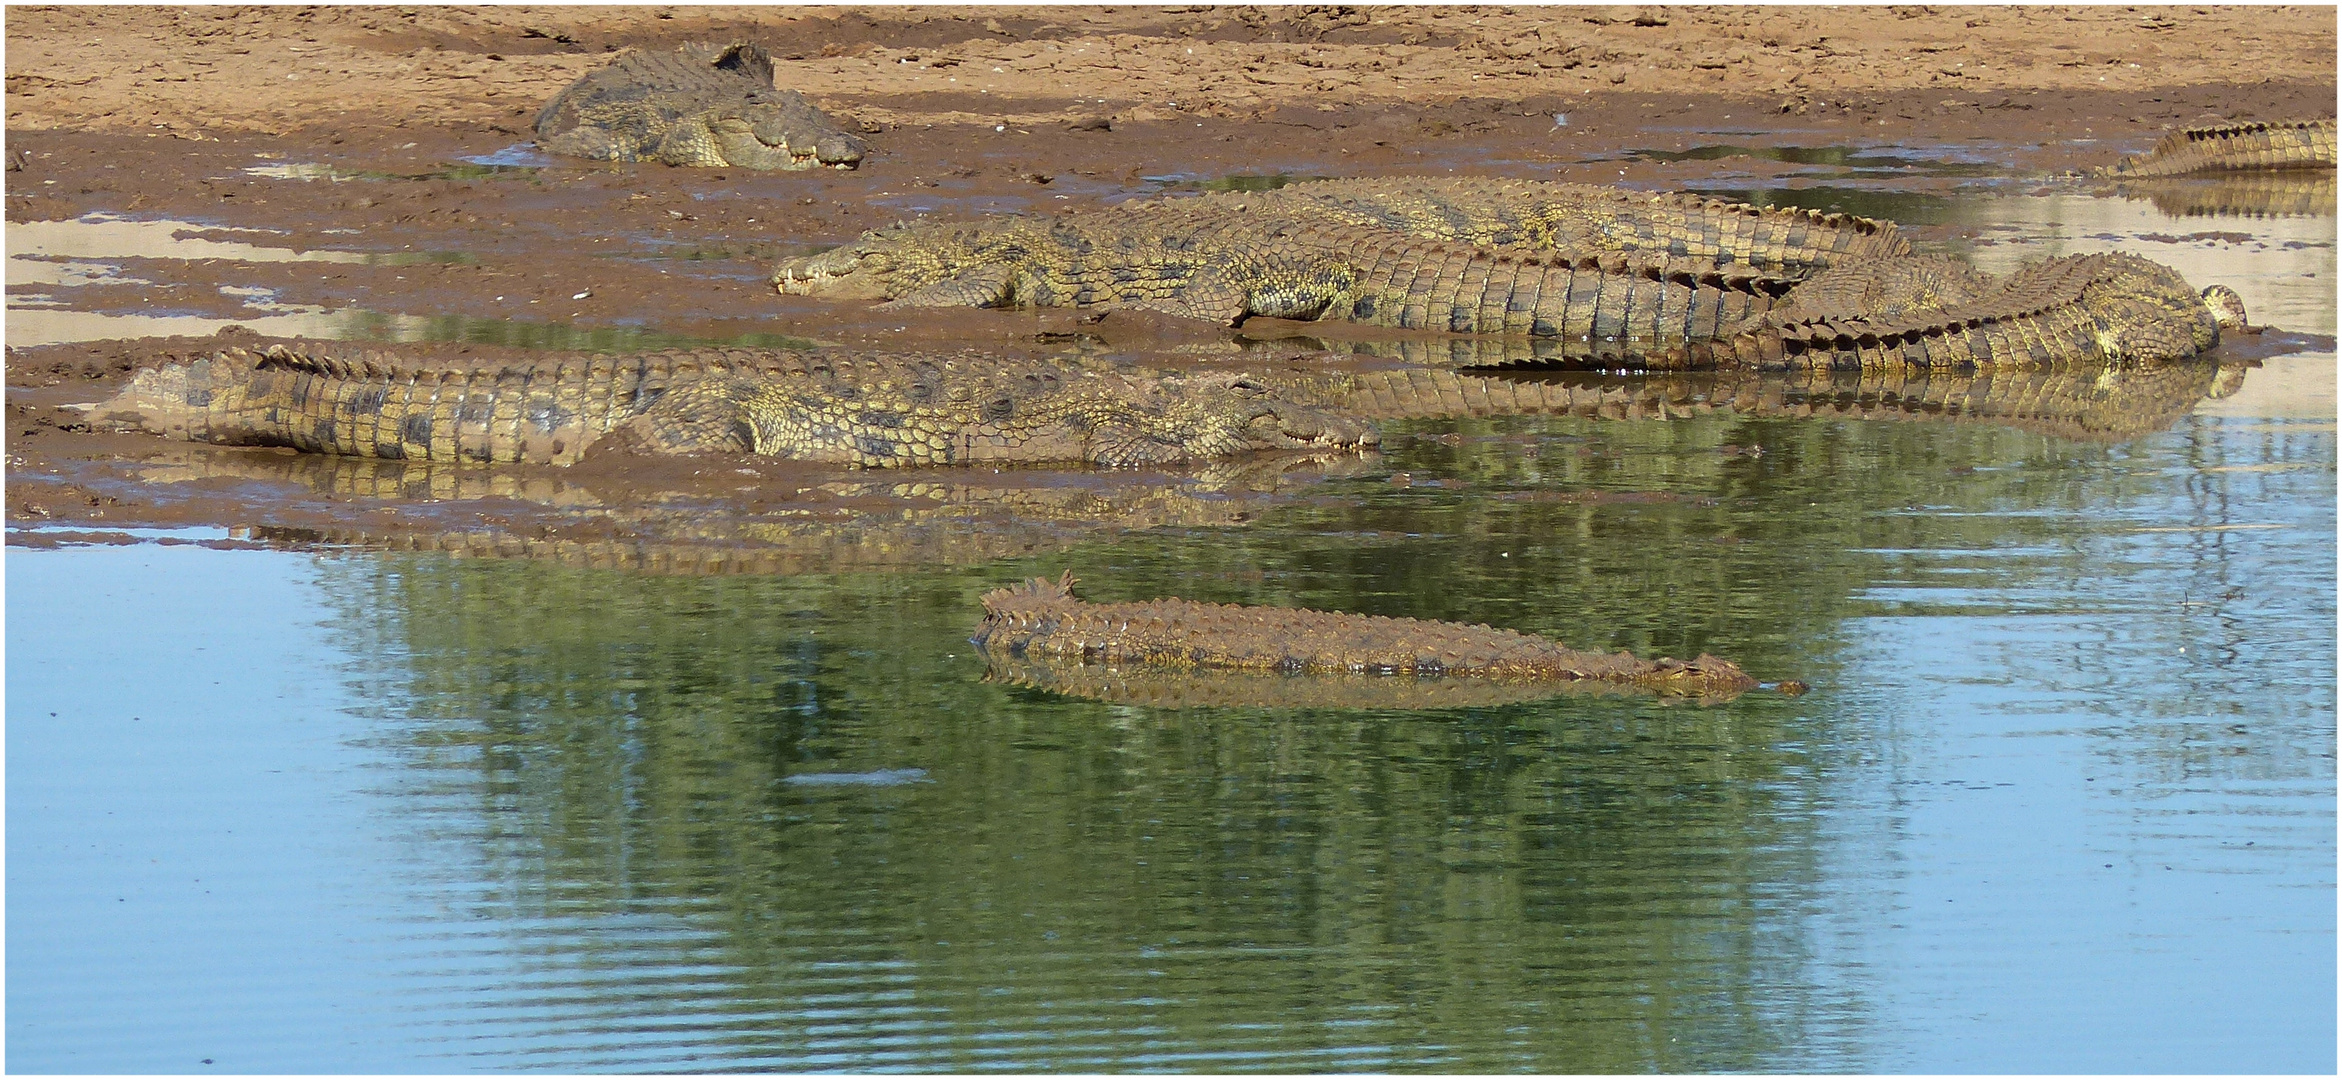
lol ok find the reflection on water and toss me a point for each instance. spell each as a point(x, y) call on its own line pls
point(2284, 193)
point(1184, 181)
point(1843, 162)
point(482, 168)
point(1901, 207)
point(94, 250)
point(2062, 800)
point(790, 822)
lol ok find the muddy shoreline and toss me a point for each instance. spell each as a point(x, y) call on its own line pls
point(385, 157)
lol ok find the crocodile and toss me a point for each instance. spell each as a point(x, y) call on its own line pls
point(703, 104)
point(1546, 215)
point(1928, 312)
point(1167, 688)
point(2238, 147)
point(811, 521)
point(867, 410)
point(1042, 618)
point(1463, 256)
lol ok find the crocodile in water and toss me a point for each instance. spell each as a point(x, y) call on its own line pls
point(858, 409)
point(2083, 310)
point(707, 105)
point(1043, 618)
point(1482, 257)
point(2281, 144)
point(1172, 688)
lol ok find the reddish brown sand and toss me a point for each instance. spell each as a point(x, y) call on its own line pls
point(158, 113)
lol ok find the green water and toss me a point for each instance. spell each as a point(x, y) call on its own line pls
point(2062, 798)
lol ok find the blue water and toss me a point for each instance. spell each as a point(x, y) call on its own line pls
point(2062, 799)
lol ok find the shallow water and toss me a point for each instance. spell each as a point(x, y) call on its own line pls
point(2062, 798)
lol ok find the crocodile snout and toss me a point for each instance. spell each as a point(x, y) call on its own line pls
point(1286, 426)
point(839, 151)
point(2227, 307)
point(830, 273)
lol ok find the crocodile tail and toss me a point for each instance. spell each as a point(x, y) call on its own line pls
point(183, 400)
point(2283, 144)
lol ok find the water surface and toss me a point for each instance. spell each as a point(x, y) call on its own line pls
point(2062, 798)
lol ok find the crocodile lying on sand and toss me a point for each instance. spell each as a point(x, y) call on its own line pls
point(2219, 148)
point(867, 410)
point(1617, 279)
point(1924, 312)
point(1466, 256)
point(1042, 618)
point(1545, 215)
point(707, 105)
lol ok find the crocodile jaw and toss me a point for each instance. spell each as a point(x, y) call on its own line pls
point(1288, 427)
point(847, 272)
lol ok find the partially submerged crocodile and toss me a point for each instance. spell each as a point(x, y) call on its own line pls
point(2218, 148)
point(869, 410)
point(1466, 256)
point(1042, 618)
point(707, 105)
point(2087, 310)
point(1178, 688)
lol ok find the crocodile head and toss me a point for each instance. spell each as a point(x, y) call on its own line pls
point(855, 270)
point(2227, 308)
point(770, 129)
point(883, 264)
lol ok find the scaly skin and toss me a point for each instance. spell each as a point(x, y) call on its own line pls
point(1169, 688)
point(704, 105)
point(874, 411)
point(2282, 144)
point(2086, 310)
point(1547, 216)
point(1317, 250)
point(1041, 618)
point(1224, 261)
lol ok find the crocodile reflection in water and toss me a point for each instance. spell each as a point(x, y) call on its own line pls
point(850, 521)
point(832, 525)
point(640, 735)
point(2289, 193)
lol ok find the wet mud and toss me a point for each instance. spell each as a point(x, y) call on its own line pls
point(367, 174)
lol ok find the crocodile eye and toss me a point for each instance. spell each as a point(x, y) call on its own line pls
point(1248, 386)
